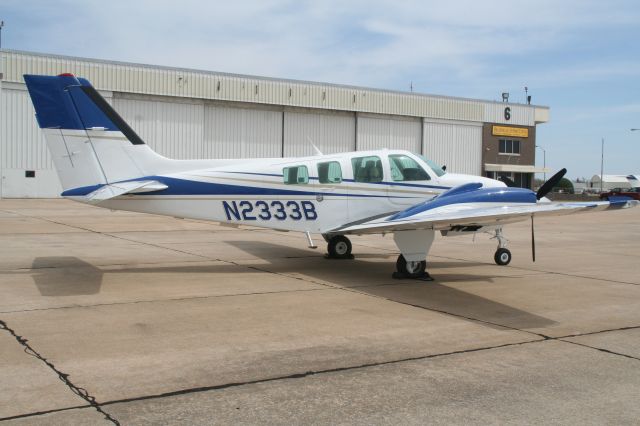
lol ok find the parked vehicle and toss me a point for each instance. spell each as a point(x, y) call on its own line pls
point(622, 192)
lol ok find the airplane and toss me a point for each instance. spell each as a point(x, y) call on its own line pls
point(101, 161)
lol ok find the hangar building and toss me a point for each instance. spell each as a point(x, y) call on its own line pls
point(188, 114)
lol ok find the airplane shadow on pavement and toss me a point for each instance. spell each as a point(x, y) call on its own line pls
point(368, 273)
point(374, 278)
point(65, 276)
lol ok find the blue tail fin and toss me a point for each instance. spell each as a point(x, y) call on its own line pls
point(67, 102)
point(90, 143)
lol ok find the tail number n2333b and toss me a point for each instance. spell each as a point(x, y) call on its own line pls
point(270, 210)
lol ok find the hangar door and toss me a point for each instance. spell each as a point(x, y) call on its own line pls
point(231, 132)
point(377, 132)
point(456, 145)
point(330, 132)
point(194, 129)
point(172, 129)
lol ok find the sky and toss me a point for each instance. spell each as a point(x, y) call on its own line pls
point(579, 57)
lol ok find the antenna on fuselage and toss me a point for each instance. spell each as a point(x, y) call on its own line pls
point(315, 148)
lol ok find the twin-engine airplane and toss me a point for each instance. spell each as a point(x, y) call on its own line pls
point(100, 160)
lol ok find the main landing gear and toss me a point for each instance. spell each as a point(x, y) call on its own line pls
point(502, 256)
point(416, 269)
point(339, 247)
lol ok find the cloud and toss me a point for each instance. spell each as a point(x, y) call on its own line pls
point(574, 55)
point(358, 42)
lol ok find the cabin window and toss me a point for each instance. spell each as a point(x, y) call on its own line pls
point(329, 172)
point(433, 166)
point(295, 175)
point(405, 168)
point(367, 169)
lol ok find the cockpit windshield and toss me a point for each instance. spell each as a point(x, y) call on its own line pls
point(432, 165)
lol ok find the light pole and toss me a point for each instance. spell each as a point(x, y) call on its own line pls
point(1, 25)
point(602, 165)
point(544, 161)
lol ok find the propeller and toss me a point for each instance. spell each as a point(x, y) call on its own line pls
point(542, 191)
point(533, 241)
point(548, 185)
point(508, 181)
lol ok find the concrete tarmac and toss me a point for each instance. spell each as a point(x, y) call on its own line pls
point(116, 317)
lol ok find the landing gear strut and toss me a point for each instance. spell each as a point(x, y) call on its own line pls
point(502, 256)
point(339, 247)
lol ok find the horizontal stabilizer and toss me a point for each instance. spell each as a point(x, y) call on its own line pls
point(113, 190)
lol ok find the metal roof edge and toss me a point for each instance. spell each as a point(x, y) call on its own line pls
point(271, 79)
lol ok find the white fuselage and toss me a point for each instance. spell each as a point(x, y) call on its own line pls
point(253, 192)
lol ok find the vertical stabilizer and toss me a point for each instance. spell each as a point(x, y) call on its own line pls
point(89, 142)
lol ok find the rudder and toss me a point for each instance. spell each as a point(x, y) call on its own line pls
point(90, 143)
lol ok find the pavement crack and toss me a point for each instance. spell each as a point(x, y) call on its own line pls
point(589, 333)
point(302, 375)
point(174, 299)
point(542, 271)
point(440, 311)
point(601, 349)
point(41, 413)
point(81, 392)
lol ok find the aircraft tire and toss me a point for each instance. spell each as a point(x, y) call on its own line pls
point(502, 257)
point(411, 269)
point(339, 247)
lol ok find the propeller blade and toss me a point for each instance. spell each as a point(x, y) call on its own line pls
point(533, 241)
point(548, 185)
point(507, 181)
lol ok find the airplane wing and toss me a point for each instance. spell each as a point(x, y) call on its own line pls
point(457, 216)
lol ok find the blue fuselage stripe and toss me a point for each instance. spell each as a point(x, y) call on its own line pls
point(191, 187)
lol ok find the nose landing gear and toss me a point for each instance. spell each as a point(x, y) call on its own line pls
point(502, 256)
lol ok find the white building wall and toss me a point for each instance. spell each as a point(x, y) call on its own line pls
point(521, 115)
point(375, 132)
point(241, 133)
point(330, 132)
point(456, 145)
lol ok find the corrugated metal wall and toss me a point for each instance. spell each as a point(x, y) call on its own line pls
point(188, 129)
point(329, 132)
point(174, 130)
point(392, 133)
point(241, 133)
point(22, 144)
point(456, 145)
point(185, 83)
